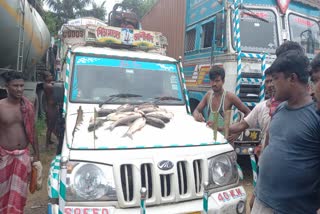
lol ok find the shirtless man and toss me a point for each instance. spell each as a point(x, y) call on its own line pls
point(51, 107)
point(17, 131)
point(218, 99)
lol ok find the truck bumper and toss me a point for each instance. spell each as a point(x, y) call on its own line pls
point(231, 201)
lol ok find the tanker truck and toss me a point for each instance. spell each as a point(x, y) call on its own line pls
point(24, 40)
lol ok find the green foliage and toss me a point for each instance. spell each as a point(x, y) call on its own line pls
point(63, 10)
point(97, 11)
point(140, 7)
point(41, 126)
point(52, 21)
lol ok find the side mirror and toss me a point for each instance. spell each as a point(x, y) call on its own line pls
point(220, 30)
point(58, 92)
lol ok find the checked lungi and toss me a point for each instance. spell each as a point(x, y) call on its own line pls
point(15, 168)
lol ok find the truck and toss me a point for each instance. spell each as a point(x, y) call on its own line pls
point(241, 36)
point(130, 144)
point(24, 42)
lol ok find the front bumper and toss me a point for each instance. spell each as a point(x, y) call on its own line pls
point(224, 202)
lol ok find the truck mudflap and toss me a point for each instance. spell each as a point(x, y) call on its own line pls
point(230, 201)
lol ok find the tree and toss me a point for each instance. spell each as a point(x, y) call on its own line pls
point(52, 21)
point(98, 12)
point(70, 9)
point(63, 10)
point(140, 7)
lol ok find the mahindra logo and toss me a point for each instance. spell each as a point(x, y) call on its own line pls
point(165, 165)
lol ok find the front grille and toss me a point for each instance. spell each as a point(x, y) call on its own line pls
point(186, 178)
point(257, 75)
point(182, 177)
point(146, 178)
point(249, 92)
point(250, 87)
point(197, 171)
point(127, 182)
point(165, 181)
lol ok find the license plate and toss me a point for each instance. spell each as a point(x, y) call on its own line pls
point(229, 195)
point(88, 210)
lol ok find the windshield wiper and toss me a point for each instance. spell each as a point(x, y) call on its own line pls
point(117, 96)
point(158, 99)
point(252, 14)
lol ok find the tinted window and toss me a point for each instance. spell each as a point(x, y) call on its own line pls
point(258, 31)
point(306, 32)
point(190, 40)
point(207, 34)
point(94, 79)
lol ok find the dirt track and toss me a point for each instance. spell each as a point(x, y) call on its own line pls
point(37, 202)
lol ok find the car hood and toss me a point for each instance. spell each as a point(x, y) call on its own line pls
point(182, 130)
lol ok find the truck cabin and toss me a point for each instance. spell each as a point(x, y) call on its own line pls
point(263, 26)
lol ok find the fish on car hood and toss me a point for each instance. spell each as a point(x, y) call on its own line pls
point(182, 130)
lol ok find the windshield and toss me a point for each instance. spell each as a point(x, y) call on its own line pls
point(96, 79)
point(306, 32)
point(258, 31)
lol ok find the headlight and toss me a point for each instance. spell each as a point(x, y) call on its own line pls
point(90, 182)
point(222, 170)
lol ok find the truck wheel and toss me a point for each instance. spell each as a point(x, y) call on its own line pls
point(42, 103)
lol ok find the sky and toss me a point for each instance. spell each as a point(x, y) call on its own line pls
point(109, 4)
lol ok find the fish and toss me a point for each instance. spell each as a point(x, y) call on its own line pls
point(149, 109)
point(95, 125)
point(165, 114)
point(139, 111)
point(125, 108)
point(135, 126)
point(122, 107)
point(105, 112)
point(116, 116)
point(160, 116)
point(124, 121)
point(155, 122)
point(79, 121)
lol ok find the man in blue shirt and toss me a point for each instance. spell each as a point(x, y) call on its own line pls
point(315, 79)
point(289, 175)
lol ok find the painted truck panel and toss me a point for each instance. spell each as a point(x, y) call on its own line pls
point(245, 63)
